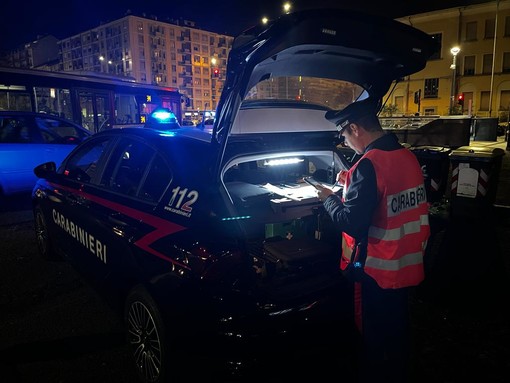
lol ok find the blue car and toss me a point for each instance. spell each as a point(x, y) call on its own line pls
point(213, 243)
point(28, 139)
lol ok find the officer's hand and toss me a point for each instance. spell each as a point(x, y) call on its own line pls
point(340, 177)
point(323, 192)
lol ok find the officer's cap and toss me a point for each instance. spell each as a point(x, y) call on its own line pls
point(352, 112)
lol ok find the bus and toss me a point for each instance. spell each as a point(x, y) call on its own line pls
point(92, 100)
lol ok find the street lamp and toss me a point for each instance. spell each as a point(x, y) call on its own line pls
point(286, 7)
point(454, 51)
point(215, 69)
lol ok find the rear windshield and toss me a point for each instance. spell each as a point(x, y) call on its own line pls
point(333, 94)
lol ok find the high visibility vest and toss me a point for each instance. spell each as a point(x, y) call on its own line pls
point(399, 230)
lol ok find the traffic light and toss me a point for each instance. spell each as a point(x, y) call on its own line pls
point(216, 72)
point(460, 99)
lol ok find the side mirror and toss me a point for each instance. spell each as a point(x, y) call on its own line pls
point(46, 169)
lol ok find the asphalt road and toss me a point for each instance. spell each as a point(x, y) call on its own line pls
point(54, 328)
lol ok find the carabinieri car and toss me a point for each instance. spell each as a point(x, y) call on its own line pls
point(187, 232)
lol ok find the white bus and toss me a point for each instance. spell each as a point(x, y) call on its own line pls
point(95, 101)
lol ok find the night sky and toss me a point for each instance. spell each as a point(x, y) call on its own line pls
point(24, 22)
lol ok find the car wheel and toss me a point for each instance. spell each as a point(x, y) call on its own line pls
point(44, 244)
point(146, 337)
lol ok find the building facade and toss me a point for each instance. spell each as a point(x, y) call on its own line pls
point(177, 54)
point(476, 79)
point(154, 52)
point(42, 52)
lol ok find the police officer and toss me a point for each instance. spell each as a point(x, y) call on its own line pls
point(383, 217)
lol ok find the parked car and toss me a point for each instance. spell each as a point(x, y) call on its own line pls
point(28, 139)
point(187, 123)
point(197, 237)
point(206, 125)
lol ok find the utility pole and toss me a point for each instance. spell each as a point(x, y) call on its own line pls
point(417, 99)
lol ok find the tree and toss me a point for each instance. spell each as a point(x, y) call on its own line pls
point(389, 110)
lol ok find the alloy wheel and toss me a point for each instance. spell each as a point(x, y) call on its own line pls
point(144, 339)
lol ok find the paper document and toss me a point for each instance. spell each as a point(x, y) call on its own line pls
point(305, 191)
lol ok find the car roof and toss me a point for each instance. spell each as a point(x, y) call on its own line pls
point(161, 137)
point(42, 115)
point(30, 113)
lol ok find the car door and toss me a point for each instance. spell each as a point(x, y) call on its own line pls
point(83, 241)
point(59, 136)
point(121, 209)
point(21, 150)
point(27, 140)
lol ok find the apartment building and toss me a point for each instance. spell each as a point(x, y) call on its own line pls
point(42, 52)
point(154, 52)
point(473, 78)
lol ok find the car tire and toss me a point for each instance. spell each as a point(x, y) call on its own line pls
point(146, 337)
point(42, 237)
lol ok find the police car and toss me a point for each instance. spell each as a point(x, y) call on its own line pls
point(188, 233)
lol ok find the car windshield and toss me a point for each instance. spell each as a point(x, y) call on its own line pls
point(334, 94)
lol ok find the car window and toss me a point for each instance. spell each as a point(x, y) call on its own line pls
point(82, 164)
point(127, 166)
point(334, 94)
point(158, 178)
point(56, 131)
point(14, 130)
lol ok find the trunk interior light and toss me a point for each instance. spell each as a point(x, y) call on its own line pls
point(282, 161)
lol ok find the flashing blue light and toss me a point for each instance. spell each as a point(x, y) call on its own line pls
point(357, 265)
point(163, 116)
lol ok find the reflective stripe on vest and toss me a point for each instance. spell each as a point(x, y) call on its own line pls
point(394, 264)
point(399, 232)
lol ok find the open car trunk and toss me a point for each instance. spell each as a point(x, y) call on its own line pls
point(291, 239)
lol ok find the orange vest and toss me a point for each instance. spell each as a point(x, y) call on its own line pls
point(399, 230)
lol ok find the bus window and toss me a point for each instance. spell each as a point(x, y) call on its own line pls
point(103, 113)
point(87, 111)
point(126, 109)
point(53, 101)
point(174, 106)
point(95, 115)
point(15, 101)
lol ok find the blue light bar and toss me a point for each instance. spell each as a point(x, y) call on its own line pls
point(163, 115)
